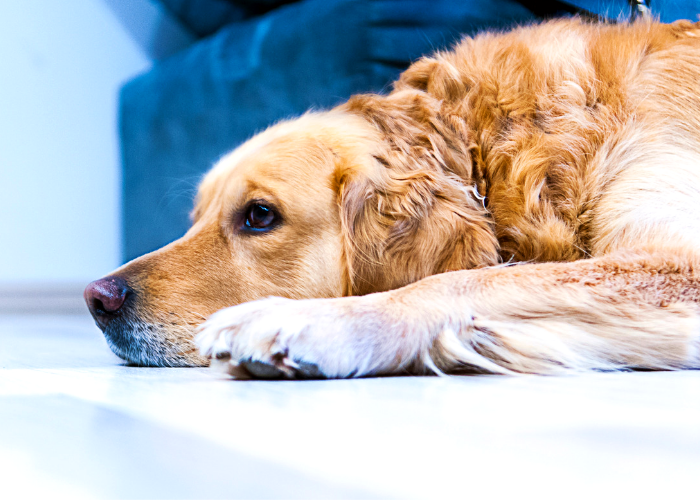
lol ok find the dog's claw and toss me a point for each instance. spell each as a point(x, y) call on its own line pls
point(260, 369)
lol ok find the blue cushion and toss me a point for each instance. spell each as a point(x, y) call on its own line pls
point(204, 17)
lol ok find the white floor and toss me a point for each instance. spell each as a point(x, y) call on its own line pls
point(75, 423)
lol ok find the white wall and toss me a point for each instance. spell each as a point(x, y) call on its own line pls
point(61, 65)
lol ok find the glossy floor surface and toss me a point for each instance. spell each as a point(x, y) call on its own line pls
point(76, 423)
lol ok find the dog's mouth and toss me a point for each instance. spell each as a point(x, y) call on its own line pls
point(143, 343)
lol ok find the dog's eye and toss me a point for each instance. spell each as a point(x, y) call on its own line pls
point(260, 217)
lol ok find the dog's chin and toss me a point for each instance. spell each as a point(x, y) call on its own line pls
point(143, 344)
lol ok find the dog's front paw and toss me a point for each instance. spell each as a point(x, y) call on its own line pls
point(282, 338)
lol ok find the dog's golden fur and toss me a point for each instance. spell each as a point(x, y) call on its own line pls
point(570, 149)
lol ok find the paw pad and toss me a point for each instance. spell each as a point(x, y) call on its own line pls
point(299, 370)
point(260, 369)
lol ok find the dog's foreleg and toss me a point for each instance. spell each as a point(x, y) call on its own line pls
point(630, 310)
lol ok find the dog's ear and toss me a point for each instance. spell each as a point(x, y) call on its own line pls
point(411, 210)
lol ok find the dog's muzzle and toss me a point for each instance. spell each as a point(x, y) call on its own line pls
point(138, 339)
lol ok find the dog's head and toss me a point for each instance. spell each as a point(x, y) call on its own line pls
point(352, 201)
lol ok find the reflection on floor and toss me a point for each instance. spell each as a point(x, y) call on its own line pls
point(76, 423)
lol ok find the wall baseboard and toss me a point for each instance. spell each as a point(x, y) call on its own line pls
point(38, 298)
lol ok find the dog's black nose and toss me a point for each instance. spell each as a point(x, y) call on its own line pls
point(105, 298)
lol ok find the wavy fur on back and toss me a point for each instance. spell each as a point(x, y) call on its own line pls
point(533, 119)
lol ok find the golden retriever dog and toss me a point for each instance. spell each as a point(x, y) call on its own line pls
point(527, 202)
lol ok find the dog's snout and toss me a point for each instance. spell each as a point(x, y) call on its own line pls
point(105, 298)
